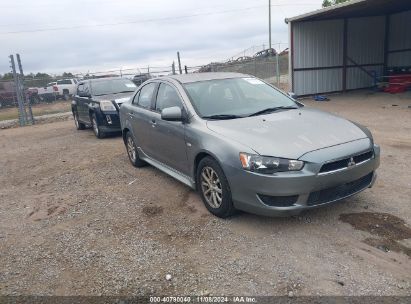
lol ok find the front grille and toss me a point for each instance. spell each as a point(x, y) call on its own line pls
point(279, 201)
point(363, 157)
point(343, 163)
point(335, 193)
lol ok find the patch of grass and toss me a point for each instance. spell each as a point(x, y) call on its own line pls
point(38, 110)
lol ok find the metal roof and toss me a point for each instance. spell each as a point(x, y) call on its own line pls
point(355, 8)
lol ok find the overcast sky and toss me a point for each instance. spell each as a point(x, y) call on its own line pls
point(97, 35)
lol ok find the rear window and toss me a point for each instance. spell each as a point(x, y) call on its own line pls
point(64, 81)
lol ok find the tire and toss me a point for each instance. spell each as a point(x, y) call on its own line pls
point(211, 176)
point(96, 128)
point(132, 152)
point(66, 96)
point(79, 125)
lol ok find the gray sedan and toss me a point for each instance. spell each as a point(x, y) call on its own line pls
point(245, 145)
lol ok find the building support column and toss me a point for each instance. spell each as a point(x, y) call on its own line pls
point(345, 55)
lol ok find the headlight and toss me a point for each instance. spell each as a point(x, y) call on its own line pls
point(106, 106)
point(269, 165)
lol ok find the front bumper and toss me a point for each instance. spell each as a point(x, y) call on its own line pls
point(290, 193)
point(109, 122)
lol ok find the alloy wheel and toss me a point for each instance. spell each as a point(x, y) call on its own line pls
point(76, 120)
point(211, 187)
point(131, 149)
point(95, 126)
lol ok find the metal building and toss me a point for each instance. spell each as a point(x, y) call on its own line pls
point(348, 46)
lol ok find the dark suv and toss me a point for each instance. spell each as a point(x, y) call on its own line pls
point(97, 103)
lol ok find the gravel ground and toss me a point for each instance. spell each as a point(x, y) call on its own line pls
point(77, 219)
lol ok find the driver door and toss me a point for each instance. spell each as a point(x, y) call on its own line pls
point(168, 142)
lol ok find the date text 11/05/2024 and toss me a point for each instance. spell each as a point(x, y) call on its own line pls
point(203, 299)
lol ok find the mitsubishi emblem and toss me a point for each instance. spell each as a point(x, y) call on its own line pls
point(351, 162)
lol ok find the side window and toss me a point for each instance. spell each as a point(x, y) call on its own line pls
point(80, 88)
point(146, 95)
point(86, 88)
point(135, 99)
point(167, 97)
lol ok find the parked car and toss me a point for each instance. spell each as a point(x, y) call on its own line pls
point(265, 53)
point(243, 144)
point(242, 59)
point(97, 102)
point(140, 78)
point(66, 88)
point(49, 92)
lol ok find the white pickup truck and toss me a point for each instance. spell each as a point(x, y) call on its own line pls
point(49, 92)
point(66, 88)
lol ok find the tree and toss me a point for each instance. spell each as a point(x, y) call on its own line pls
point(67, 75)
point(327, 3)
point(7, 76)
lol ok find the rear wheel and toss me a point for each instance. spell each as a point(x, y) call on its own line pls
point(96, 128)
point(132, 152)
point(66, 96)
point(79, 125)
point(214, 189)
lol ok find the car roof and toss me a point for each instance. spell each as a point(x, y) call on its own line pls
point(194, 77)
point(104, 79)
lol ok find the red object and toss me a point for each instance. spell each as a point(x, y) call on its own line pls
point(55, 88)
point(398, 83)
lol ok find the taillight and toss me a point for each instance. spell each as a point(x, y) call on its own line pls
point(55, 88)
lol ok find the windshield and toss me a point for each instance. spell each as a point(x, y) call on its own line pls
point(112, 86)
point(237, 97)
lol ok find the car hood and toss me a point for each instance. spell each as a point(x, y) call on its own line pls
point(288, 133)
point(118, 98)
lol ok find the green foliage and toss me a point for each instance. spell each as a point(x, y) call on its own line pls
point(67, 75)
point(38, 79)
point(327, 3)
point(7, 76)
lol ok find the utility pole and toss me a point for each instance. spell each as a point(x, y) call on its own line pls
point(173, 68)
point(269, 23)
point(22, 120)
point(277, 61)
point(179, 63)
point(25, 96)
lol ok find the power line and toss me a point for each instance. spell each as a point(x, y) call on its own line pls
point(143, 21)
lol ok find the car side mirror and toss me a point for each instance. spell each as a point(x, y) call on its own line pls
point(172, 114)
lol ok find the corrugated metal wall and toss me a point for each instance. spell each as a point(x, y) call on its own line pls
point(365, 45)
point(318, 44)
point(400, 39)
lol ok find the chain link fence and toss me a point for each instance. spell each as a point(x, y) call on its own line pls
point(41, 93)
point(264, 68)
point(273, 69)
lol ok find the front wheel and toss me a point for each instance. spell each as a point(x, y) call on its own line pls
point(214, 189)
point(79, 125)
point(132, 152)
point(96, 128)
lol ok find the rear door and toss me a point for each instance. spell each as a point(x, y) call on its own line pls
point(82, 101)
point(140, 115)
point(167, 141)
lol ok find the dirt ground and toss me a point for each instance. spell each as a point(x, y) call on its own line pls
point(77, 219)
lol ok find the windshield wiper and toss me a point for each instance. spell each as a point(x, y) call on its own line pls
point(112, 93)
point(223, 116)
point(123, 92)
point(270, 110)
